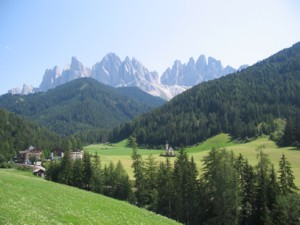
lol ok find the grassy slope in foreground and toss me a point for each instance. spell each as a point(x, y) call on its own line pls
point(26, 199)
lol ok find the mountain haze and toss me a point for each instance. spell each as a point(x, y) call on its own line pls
point(243, 104)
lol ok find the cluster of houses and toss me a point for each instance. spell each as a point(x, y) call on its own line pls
point(32, 156)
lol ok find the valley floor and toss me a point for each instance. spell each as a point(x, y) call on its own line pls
point(119, 151)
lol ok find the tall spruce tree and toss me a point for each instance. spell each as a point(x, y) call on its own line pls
point(65, 174)
point(150, 183)
point(123, 189)
point(109, 180)
point(77, 174)
point(139, 175)
point(262, 213)
point(247, 179)
point(220, 183)
point(185, 187)
point(97, 175)
point(286, 177)
point(87, 170)
point(165, 195)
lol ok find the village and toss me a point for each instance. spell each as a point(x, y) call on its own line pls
point(32, 158)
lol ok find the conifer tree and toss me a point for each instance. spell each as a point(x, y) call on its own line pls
point(97, 175)
point(123, 189)
point(109, 180)
point(185, 187)
point(287, 209)
point(272, 190)
point(150, 172)
point(87, 170)
point(53, 171)
point(65, 175)
point(220, 183)
point(77, 174)
point(247, 184)
point(262, 213)
point(139, 175)
point(286, 177)
point(165, 195)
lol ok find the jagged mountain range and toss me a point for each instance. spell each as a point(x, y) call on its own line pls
point(112, 71)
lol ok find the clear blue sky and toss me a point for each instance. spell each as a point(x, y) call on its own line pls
point(36, 35)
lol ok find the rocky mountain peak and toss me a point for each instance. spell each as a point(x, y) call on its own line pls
point(49, 78)
point(193, 72)
point(76, 65)
point(191, 62)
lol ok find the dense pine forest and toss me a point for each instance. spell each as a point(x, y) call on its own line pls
point(244, 104)
point(226, 190)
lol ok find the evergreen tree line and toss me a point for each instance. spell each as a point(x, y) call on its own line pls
point(228, 190)
point(88, 174)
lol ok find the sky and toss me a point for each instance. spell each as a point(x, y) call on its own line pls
point(38, 35)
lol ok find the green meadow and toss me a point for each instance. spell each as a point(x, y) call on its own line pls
point(26, 199)
point(119, 151)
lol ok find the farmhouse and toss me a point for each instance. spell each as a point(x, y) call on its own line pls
point(29, 155)
point(58, 154)
point(76, 154)
point(39, 171)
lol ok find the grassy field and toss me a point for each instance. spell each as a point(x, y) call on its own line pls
point(26, 199)
point(120, 152)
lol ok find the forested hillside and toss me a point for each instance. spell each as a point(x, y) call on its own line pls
point(81, 105)
point(18, 134)
point(243, 104)
point(141, 96)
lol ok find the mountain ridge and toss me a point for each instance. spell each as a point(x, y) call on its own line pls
point(112, 71)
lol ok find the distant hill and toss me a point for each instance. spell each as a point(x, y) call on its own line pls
point(33, 200)
point(235, 104)
point(81, 105)
point(18, 133)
